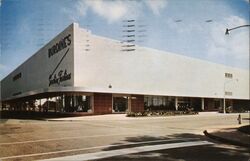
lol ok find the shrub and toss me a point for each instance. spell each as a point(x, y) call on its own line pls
point(160, 113)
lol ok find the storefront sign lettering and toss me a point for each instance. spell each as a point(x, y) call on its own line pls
point(61, 76)
point(63, 43)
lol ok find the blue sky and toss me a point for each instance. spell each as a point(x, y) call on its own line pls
point(178, 26)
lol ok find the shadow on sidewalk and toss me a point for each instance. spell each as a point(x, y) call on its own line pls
point(194, 153)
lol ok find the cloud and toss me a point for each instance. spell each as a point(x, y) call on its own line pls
point(235, 45)
point(81, 8)
point(211, 38)
point(0, 3)
point(110, 10)
point(116, 10)
point(78, 10)
point(156, 5)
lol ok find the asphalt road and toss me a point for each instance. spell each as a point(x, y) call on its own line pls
point(116, 137)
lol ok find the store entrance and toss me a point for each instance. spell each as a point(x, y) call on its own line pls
point(120, 104)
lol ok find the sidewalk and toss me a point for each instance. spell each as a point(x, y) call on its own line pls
point(229, 136)
point(123, 117)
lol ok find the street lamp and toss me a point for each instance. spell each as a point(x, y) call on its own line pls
point(225, 82)
point(224, 98)
point(227, 29)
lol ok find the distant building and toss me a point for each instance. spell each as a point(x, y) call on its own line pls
point(81, 72)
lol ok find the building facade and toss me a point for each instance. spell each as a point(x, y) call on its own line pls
point(78, 71)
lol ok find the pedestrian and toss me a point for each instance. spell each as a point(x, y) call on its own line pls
point(239, 119)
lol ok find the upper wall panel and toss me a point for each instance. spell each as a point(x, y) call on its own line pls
point(105, 63)
point(51, 66)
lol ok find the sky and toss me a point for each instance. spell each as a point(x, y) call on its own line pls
point(194, 28)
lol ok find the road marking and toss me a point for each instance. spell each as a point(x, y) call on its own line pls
point(97, 147)
point(64, 138)
point(112, 153)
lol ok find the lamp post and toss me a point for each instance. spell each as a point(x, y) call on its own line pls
point(225, 82)
point(224, 98)
point(227, 29)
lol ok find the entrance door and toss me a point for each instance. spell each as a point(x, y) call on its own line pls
point(120, 104)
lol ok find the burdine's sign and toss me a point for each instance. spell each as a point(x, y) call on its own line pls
point(66, 41)
point(62, 75)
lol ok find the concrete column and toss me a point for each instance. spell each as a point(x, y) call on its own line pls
point(47, 109)
point(56, 104)
point(63, 103)
point(129, 103)
point(40, 105)
point(34, 107)
point(176, 103)
point(92, 104)
point(202, 104)
point(28, 105)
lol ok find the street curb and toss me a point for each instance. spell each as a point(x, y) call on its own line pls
point(224, 140)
